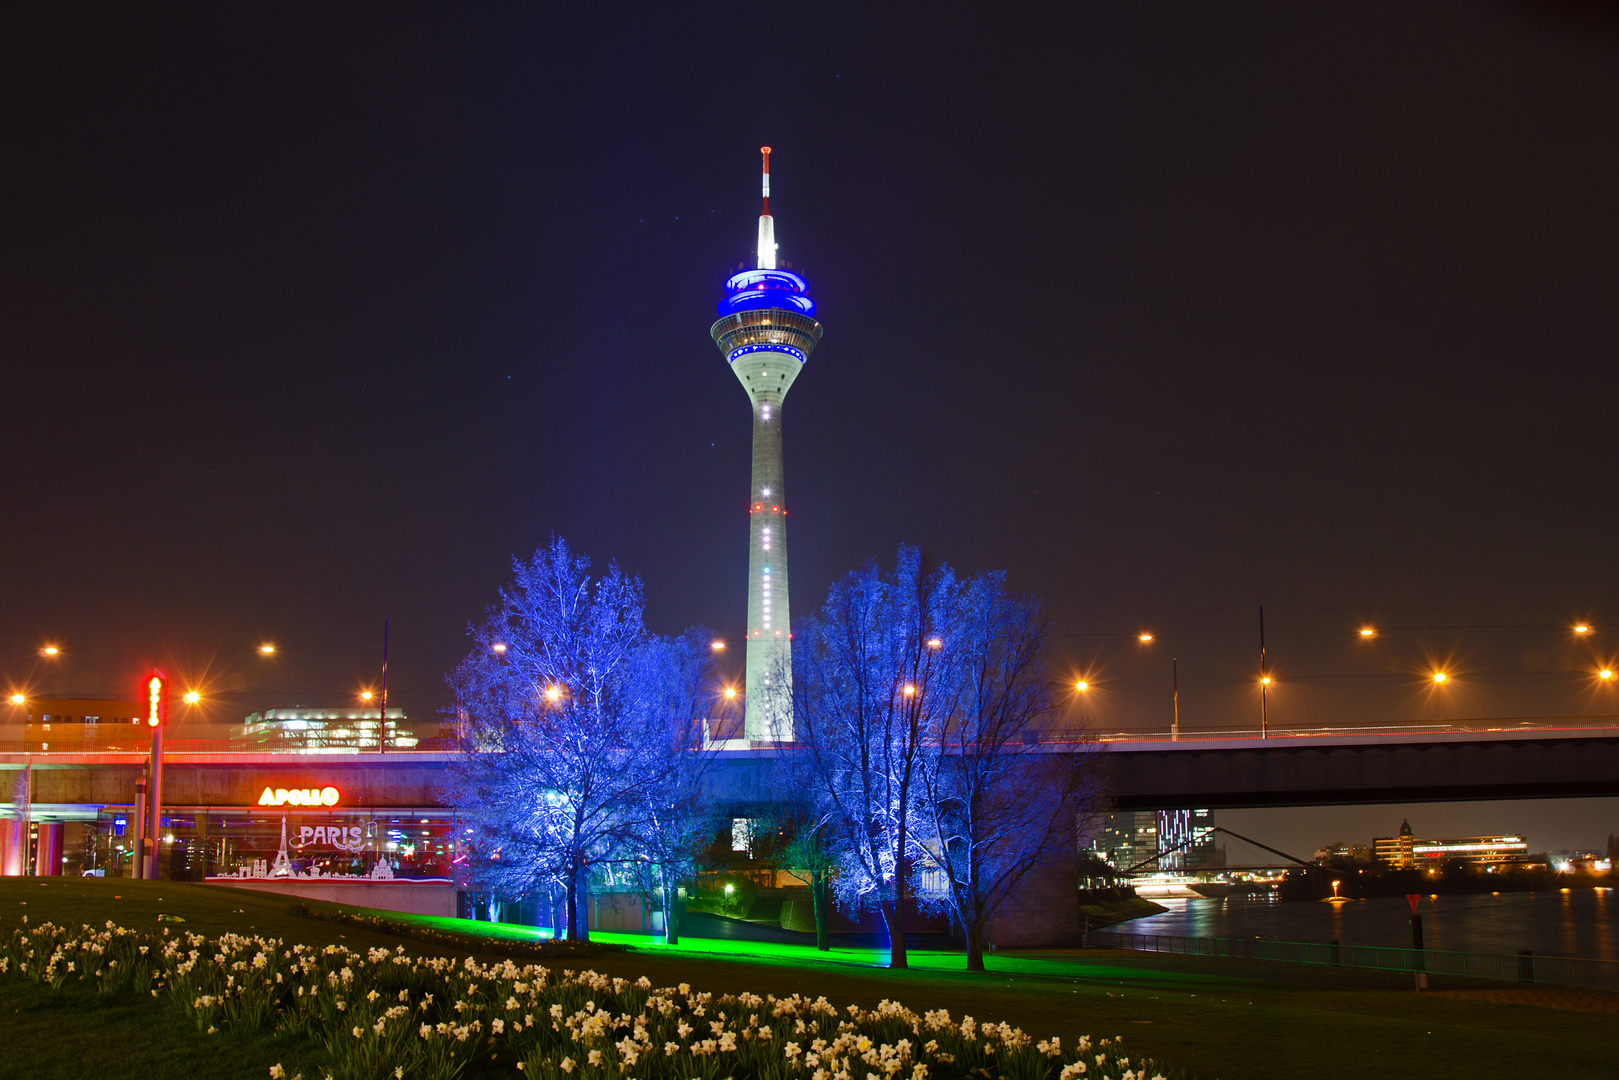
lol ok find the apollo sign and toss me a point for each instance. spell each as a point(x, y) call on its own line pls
point(326, 796)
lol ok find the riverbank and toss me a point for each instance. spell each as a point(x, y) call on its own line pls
point(1105, 907)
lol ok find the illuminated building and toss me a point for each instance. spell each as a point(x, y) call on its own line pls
point(1394, 852)
point(1344, 855)
point(1407, 851)
point(321, 731)
point(1130, 838)
point(766, 330)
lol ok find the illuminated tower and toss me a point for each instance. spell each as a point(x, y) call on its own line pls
point(767, 330)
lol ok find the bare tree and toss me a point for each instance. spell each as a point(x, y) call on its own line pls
point(995, 805)
point(863, 697)
point(550, 719)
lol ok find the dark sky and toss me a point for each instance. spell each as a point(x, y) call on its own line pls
point(311, 318)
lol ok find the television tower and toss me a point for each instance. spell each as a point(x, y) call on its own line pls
point(766, 330)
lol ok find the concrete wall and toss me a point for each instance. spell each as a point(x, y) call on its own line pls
point(415, 897)
point(1044, 913)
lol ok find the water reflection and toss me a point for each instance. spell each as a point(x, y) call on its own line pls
point(1569, 922)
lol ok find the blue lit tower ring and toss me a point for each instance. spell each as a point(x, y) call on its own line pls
point(766, 330)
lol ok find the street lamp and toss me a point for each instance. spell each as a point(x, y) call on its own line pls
point(1605, 673)
point(18, 699)
point(553, 694)
point(1143, 637)
point(1082, 686)
point(50, 650)
point(267, 649)
point(730, 692)
point(1367, 631)
point(192, 697)
point(498, 648)
point(717, 645)
point(1439, 677)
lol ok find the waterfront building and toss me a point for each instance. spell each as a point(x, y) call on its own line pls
point(1407, 851)
point(1344, 855)
point(766, 330)
point(1395, 852)
point(1127, 839)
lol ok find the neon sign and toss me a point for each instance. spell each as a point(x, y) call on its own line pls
point(342, 837)
point(326, 796)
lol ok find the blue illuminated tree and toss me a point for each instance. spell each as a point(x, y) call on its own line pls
point(563, 711)
point(996, 803)
point(865, 691)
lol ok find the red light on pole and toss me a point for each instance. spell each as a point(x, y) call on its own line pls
point(157, 699)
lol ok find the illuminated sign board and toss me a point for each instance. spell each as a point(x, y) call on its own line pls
point(342, 837)
point(326, 796)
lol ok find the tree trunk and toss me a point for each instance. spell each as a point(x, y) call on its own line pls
point(671, 926)
point(894, 919)
point(975, 946)
point(584, 904)
point(818, 898)
point(573, 906)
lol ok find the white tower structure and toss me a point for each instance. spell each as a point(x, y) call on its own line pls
point(766, 330)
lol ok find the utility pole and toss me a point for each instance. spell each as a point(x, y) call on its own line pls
point(382, 714)
point(1175, 681)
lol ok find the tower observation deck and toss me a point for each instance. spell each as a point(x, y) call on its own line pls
point(766, 331)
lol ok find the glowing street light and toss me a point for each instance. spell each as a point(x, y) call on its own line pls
point(1082, 686)
point(192, 697)
point(267, 648)
point(1605, 673)
point(498, 648)
point(1143, 637)
point(553, 694)
point(1582, 629)
point(730, 691)
point(934, 643)
point(909, 690)
point(365, 695)
point(18, 699)
point(717, 645)
point(1264, 680)
point(50, 650)
point(1367, 631)
point(1439, 676)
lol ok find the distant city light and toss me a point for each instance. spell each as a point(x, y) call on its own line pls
point(1605, 673)
point(1367, 631)
point(1439, 676)
point(18, 699)
point(50, 650)
point(192, 697)
point(553, 694)
point(498, 647)
point(1582, 629)
point(730, 691)
point(1082, 685)
point(1264, 680)
point(365, 695)
point(934, 643)
point(266, 648)
point(1144, 637)
point(910, 691)
point(717, 645)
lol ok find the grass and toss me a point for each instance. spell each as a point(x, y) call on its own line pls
point(1219, 1019)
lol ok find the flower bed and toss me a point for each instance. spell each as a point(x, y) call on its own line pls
point(382, 1014)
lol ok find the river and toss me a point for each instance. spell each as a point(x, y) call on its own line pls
point(1568, 922)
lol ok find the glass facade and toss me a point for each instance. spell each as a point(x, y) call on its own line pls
point(227, 841)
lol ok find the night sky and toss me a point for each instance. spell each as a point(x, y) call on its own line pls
point(312, 318)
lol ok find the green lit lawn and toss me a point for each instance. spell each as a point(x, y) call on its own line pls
point(1221, 1020)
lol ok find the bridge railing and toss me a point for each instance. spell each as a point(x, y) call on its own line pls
point(1520, 967)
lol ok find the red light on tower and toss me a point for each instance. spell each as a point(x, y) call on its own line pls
point(157, 699)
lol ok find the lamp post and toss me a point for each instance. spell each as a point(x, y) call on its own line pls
point(1175, 685)
point(1264, 679)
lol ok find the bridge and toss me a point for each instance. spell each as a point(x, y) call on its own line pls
point(1227, 771)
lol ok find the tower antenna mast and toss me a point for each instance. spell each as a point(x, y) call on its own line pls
point(767, 224)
